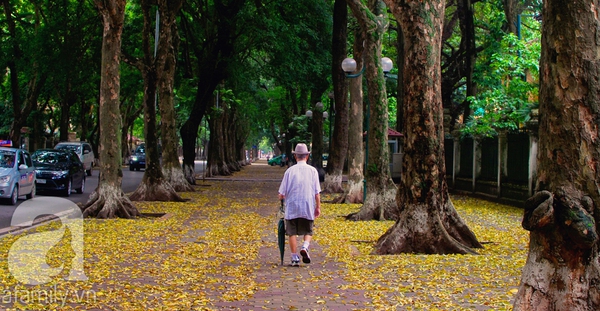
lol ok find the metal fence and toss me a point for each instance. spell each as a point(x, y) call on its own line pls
point(501, 168)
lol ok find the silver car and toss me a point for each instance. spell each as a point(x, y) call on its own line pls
point(17, 175)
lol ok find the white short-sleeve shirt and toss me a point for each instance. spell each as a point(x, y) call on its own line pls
point(300, 184)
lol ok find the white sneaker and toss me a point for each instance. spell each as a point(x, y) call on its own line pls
point(305, 255)
point(295, 261)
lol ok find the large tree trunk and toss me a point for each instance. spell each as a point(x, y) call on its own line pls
point(215, 163)
point(316, 152)
point(355, 187)
point(86, 121)
point(510, 13)
point(230, 130)
point(129, 113)
point(126, 114)
point(166, 63)
point(65, 115)
point(189, 135)
point(208, 80)
point(380, 200)
point(428, 222)
point(154, 186)
point(22, 109)
point(240, 137)
point(562, 271)
point(108, 200)
point(36, 139)
point(400, 61)
point(287, 117)
point(356, 156)
point(338, 147)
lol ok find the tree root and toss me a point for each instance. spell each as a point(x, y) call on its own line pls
point(333, 184)
point(107, 202)
point(378, 206)
point(347, 198)
point(161, 191)
point(189, 174)
point(177, 180)
point(423, 229)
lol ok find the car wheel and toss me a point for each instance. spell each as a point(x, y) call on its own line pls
point(131, 167)
point(80, 189)
point(31, 195)
point(137, 168)
point(89, 172)
point(68, 188)
point(14, 196)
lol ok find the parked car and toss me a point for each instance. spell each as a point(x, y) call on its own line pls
point(137, 160)
point(58, 171)
point(84, 152)
point(17, 175)
point(276, 160)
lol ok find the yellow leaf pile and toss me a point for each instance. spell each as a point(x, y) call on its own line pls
point(205, 252)
point(433, 282)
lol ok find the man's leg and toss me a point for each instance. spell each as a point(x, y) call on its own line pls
point(293, 244)
point(307, 238)
point(294, 249)
point(304, 249)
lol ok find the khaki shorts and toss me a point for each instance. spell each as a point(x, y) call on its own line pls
point(299, 226)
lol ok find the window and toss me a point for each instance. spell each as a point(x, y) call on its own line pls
point(28, 159)
point(21, 158)
point(7, 159)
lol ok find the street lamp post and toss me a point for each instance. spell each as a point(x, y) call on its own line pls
point(285, 155)
point(349, 66)
point(330, 115)
point(317, 134)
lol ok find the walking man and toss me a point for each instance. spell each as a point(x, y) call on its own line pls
point(301, 190)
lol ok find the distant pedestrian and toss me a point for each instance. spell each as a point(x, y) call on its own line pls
point(301, 190)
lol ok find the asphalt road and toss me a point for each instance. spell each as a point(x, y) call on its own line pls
point(42, 201)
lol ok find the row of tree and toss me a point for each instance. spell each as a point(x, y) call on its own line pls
point(271, 68)
point(273, 58)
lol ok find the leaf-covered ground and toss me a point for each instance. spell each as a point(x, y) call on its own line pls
point(218, 251)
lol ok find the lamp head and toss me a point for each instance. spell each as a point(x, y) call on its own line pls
point(349, 65)
point(387, 64)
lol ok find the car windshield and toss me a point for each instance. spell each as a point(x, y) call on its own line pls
point(49, 157)
point(75, 148)
point(7, 159)
point(141, 149)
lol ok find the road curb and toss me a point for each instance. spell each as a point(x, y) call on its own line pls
point(36, 223)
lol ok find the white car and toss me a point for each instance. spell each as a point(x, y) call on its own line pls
point(17, 175)
point(83, 150)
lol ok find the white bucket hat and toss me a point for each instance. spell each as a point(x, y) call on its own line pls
point(301, 149)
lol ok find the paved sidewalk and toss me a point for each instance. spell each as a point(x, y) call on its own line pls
point(315, 286)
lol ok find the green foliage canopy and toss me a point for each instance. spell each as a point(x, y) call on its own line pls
point(507, 79)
